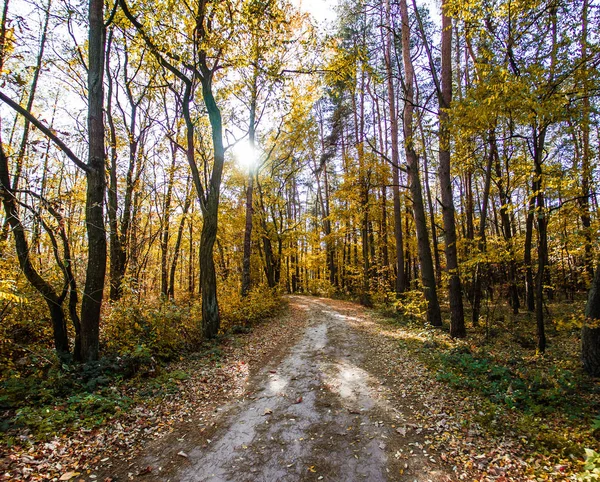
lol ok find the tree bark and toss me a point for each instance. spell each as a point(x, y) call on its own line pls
point(590, 333)
point(246, 281)
point(52, 299)
point(96, 186)
point(400, 283)
point(427, 272)
point(177, 248)
point(457, 317)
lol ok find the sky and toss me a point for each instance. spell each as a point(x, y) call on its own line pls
point(322, 10)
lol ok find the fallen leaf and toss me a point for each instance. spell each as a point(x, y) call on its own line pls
point(183, 454)
point(68, 475)
point(268, 411)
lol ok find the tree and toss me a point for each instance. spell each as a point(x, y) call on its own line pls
point(200, 74)
point(427, 273)
point(590, 333)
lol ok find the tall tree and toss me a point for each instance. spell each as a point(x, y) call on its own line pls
point(96, 187)
point(427, 272)
point(200, 75)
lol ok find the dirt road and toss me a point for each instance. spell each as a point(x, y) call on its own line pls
point(317, 414)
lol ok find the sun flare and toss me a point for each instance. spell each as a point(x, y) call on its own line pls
point(246, 155)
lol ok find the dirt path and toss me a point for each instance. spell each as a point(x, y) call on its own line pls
point(317, 414)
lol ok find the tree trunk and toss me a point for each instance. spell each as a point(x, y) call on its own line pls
point(457, 317)
point(246, 281)
point(586, 155)
point(393, 114)
point(427, 272)
point(166, 228)
point(542, 250)
point(208, 277)
point(53, 300)
point(590, 333)
point(478, 281)
point(96, 186)
point(177, 248)
point(117, 253)
point(529, 286)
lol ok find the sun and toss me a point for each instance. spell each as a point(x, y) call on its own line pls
point(246, 155)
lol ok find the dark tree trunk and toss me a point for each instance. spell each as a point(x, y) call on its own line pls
point(590, 333)
point(166, 228)
point(505, 202)
point(96, 186)
point(53, 300)
point(117, 253)
point(248, 237)
point(529, 286)
point(457, 317)
point(479, 270)
point(208, 277)
point(542, 250)
point(586, 155)
point(246, 281)
point(427, 272)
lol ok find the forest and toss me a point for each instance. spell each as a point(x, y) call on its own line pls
point(173, 175)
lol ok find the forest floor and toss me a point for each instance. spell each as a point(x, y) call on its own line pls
point(326, 391)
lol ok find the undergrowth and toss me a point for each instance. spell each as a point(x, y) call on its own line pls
point(546, 400)
point(40, 397)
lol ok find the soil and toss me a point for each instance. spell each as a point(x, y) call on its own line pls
point(325, 406)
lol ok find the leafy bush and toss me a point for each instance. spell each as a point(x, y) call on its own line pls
point(592, 466)
point(162, 329)
point(238, 313)
point(45, 397)
point(412, 304)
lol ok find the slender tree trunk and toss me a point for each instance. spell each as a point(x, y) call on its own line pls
point(529, 286)
point(434, 236)
point(457, 317)
point(166, 228)
point(53, 300)
point(246, 281)
point(586, 165)
point(177, 248)
point(117, 253)
point(479, 270)
point(30, 100)
point(401, 283)
point(542, 250)
point(427, 272)
point(32, 91)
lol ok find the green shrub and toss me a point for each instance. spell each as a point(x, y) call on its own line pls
point(591, 469)
point(237, 312)
point(162, 329)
